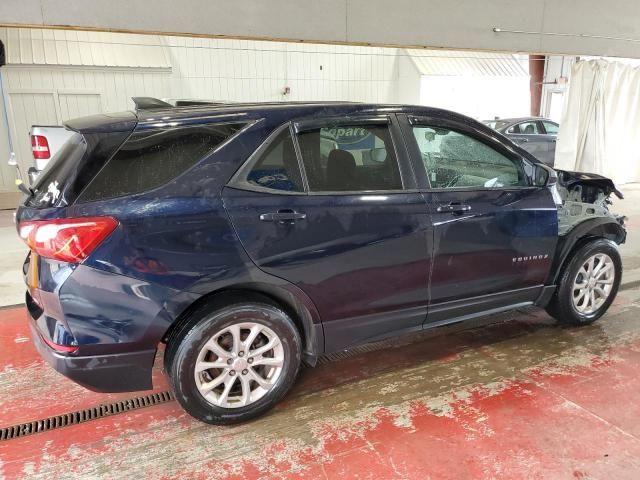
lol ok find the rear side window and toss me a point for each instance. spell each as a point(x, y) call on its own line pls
point(350, 158)
point(151, 158)
point(277, 168)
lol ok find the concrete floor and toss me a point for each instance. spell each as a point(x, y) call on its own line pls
point(513, 396)
point(12, 253)
point(520, 398)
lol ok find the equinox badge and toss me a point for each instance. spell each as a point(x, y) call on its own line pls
point(529, 258)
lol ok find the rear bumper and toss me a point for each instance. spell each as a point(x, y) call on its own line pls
point(99, 329)
point(120, 372)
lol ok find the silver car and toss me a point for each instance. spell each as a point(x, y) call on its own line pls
point(537, 136)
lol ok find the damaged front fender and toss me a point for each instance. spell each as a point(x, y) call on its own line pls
point(586, 231)
point(584, 196)
point(583, 201)
point(591, 183)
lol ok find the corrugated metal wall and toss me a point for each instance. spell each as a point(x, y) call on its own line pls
point(52, 76)
point(91, 49)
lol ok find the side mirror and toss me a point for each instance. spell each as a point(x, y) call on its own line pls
point(545, 176)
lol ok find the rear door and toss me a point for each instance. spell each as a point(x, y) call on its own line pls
point(494, 233)
point(331, 206)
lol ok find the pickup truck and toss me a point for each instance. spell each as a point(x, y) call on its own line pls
point(46, 141)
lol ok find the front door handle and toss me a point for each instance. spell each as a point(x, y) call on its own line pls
point(523, 140)
point(453, 207)
point(282, 216)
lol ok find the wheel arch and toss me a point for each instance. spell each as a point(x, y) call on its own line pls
point(295, 303)
point(581, 234)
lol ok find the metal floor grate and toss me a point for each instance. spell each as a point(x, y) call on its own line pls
point(81, 416)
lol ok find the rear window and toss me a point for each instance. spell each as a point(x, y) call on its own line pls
point(48, 186)
point(151, 158)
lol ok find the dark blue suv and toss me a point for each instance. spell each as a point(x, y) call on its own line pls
point(252, 237)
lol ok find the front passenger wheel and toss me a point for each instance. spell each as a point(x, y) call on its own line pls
point(588, 285)
point(234, 363)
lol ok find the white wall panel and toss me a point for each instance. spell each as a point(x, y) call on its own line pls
point(85, 72)
point(74, 105)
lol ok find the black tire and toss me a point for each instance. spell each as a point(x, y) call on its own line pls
point(184, 347)
point(561, 307)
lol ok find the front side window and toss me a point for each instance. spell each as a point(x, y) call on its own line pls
point(456, 160)
point(350, 158)
point(277, 168)
point(551, 128)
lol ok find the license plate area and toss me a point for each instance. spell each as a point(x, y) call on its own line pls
point(33, 279)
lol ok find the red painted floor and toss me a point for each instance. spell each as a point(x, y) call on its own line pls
point(520, 398)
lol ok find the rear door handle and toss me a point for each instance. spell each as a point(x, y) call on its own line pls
point(454, 207)
point(523, 140)
point(282, 216)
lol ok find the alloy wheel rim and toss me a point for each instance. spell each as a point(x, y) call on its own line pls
point(239, 365)
point(593, 283)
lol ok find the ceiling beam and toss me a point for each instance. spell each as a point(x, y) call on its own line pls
point(573, 27)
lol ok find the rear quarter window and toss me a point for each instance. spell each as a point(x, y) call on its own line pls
point(49, 184)
point(151, 158)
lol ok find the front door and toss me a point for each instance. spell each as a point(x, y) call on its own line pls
point(494, 233)
point(347, 227)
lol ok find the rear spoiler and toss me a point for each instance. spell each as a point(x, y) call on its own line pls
point(149, 103)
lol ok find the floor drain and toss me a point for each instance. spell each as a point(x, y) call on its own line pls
point(81, 416)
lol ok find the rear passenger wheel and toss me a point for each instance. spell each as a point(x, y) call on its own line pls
point(234, 363)
point(588, 285)
point(239, 365)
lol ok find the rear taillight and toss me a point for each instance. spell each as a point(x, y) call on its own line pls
point(66, 239)
point(40, 147)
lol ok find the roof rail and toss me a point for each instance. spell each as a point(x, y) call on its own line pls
point(149, 103)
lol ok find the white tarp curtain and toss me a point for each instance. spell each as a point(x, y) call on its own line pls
point(600, 127)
